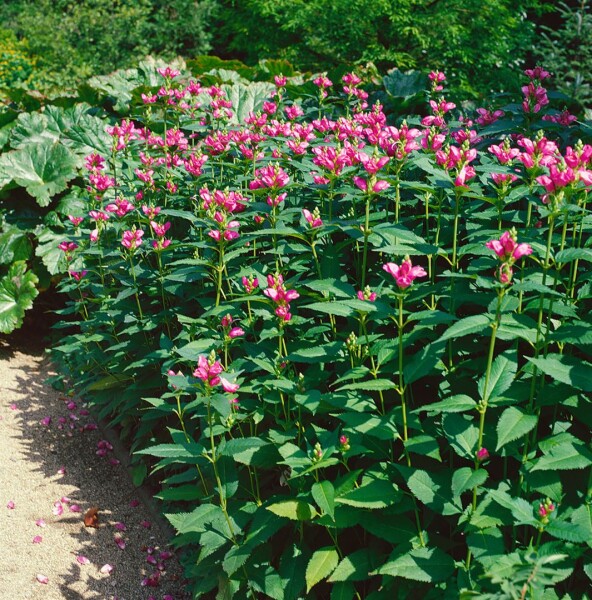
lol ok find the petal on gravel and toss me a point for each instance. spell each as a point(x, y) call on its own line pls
point(46, 421)
point(62, 471)
point(106, 569)
point(13, 406)
point(10, 505)
point(120, 526)
point(37, 539)
point(82, 560)
point(119, 541)
point(40, 523)
point(58, 509)
point(42, 579)
point(146, 524)
point(75, 508)
point(133, 503)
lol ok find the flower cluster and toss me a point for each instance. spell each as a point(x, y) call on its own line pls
point(405, 273)
point(280, 296)
point(508, 251)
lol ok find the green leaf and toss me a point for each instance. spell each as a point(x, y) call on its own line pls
point(570, 254)
point(521, 510)
point(512, 425)
point(17, 292)
point(466, 326)
point(15, 245)
point(251, 451)
point(567, 531)
point(324, 495)
point(429, 565)
point(454, 404)
point(315, 354)
point(465, 479)
point(43, 169)
point(486, 545)
point(376, 494)
point(354, 567)
point(188, 452)
point(566, 369)
point(322, 563)
point(503, 371)
point(296, 510)
point(431, 491)
point(372, 385)
point(462, 435)
point(563, 457)
point(423, 363)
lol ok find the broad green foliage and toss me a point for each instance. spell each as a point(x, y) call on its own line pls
point(17, 291)
point(355, 352)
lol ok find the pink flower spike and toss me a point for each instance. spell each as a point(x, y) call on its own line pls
point(106, 569)
point(10, 505)
point(236, 332)
point(120, 527)
point(37, 539)
point(44, 579)
point(75, 508)
point(82, 560)
point(40, 523)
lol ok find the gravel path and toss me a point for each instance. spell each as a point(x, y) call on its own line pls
point(49, 465)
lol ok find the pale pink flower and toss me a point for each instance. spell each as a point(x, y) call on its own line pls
point(236, 332)
point(82, 560)
point(231, 388)
point(313, 219)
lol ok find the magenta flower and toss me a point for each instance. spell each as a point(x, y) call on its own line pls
point(67, 246)
point(280, 80)
point(120, 207)
point(250, 283)
point(168, 73)
point(507, 249)
point(367, 295)
point(280, 296)
point(313, 219)
point(160, 230)
point(208, 370)
point(231, 388)
point(236, 332)
point(132, 239)
point(405, 273)
point(482, 454)
point(377, 187)
point(75, 220)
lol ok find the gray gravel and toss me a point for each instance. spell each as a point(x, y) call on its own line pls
point(44, 462)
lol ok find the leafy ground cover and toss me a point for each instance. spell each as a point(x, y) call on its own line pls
point(355, 351)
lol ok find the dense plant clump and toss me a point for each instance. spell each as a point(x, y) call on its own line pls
point(356, 352)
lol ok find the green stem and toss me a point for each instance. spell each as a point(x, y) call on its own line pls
point(366, 234)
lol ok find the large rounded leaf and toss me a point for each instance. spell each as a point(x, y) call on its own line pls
point(43, 170)
point(17, 292)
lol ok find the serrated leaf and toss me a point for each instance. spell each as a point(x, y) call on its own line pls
point(465, 479)
point(376, 494)
point(422, 363)
point(513, 424)
point(563, 457)
point(354, 567)
point(570, 254)
point(323, 494)
point(454, 404)
point(188, 452)
point(521, 510)
point(296, 510)
point(503, 371)
point(430, 492)
point(462, 435)
point(43, 170)
point(567, 369)
point(466, 326)
point(428, 565)
point(15, 245)
point(17, 292)
point(372, 385)
point(569, 532)
point(322, 563)
point(251, 451)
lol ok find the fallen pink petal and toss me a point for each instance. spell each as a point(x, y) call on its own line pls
point(10, 505)
point(43, 579)
point(106, 569)
point(75, 508)
point(58, 509)
point(134, 503)
point(37, 539)
point(120, 526)
point(146, 524)
point(119, 541)
point(46, 421)
point(40, 523)
point(82, 560)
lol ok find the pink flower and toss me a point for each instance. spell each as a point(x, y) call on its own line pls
point(168, 72)
point(405, 273)
point(482, 454)
point(377, 187)
point(280, 80)
point(236, 332)
point(132, 239)
point(231, 388)
point(366, 295)
point(313, 219)
point(75, 220)
point(208, 370)
point(250, 283)
point(67, 246)
point(507, 249)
